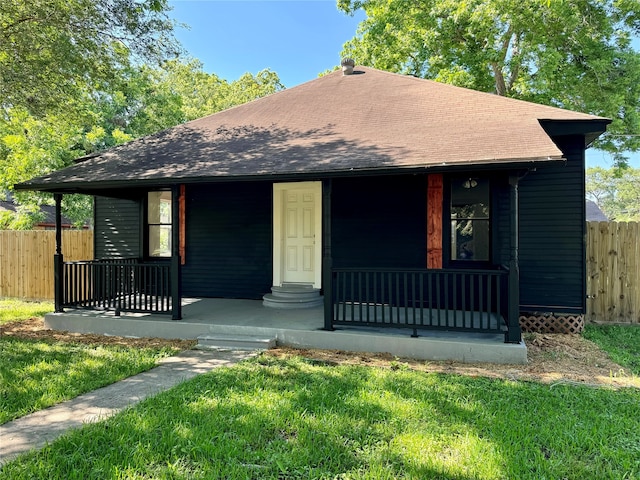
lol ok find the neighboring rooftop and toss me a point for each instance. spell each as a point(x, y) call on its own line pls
point(369, 120)
point(49, 211)
point(594, 214)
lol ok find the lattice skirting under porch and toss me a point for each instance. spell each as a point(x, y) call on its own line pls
point(551, 323)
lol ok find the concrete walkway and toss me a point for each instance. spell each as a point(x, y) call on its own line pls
point(36, 430)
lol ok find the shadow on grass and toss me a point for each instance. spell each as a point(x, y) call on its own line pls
point(271, 418)
point(35, 374)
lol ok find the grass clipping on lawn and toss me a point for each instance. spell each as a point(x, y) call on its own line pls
point(552, 358)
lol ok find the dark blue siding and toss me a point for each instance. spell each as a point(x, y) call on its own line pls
point(117, 228)
point(228, 241)
point(552, 250)
point(380, 222)
point(501, 215)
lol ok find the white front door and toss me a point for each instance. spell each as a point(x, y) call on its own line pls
point(297, 223)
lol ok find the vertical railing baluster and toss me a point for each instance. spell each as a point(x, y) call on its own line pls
point(368, 295)
point(498, 303)
point(160, 289)
point(406, 298)
point(72, 282)
point(454, 300)
point(131, 279)
point(421, 276)
point(65, 274)
point(447, 305)
point(472, 306)
point(360, 318)
point(352, 296)
point(439, 277)
point(344, 296)
point(483, 321)
point(88, 284)
point(144, 291)
point(463, 300)
point(85, 283)
point(376, 300)
point(158, 295)
point(167, 288)
point(490, 297)
point(430, 292)
point(82, 274)
point(382, 297)
point(392, 301)
point(414, 298)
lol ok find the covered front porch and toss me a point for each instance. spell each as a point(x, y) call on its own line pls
point(296, 328)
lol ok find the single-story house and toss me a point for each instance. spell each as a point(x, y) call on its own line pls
point(403, 202)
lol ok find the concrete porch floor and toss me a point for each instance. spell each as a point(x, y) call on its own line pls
point(301, 328)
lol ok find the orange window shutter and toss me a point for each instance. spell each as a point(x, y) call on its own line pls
point(434, 220)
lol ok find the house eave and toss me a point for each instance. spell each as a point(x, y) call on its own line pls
point(97, 187)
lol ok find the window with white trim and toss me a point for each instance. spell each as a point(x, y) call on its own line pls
point(159, 223)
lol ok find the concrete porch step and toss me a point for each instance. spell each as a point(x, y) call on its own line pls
point(235, 342)
point(293, 296)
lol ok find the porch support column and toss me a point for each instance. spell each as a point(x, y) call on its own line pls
point(514, 334)
point(327, 261)
point(58, 259)
point(176, 264)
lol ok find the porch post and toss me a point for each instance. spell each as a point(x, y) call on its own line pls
point(58, 259)
point(176, 274)
point(327, 262)
point(514, 334)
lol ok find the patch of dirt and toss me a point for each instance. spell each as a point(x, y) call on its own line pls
point(553, 358)
point(34, 329)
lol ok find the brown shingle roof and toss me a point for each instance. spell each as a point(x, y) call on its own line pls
point(366, 121)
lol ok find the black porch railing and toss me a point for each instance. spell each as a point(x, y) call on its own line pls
point(461, 300)
point(120, 285)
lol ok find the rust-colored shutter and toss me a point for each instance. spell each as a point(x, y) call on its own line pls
point(434, 220)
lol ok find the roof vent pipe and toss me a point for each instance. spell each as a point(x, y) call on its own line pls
point(347, 66)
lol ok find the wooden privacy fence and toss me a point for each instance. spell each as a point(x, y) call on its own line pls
point(26, 260)
point(613, 272)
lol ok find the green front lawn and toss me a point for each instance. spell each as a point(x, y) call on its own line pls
point(12, 309)
point(622, 343)
point(298, 418)
point(37, 374)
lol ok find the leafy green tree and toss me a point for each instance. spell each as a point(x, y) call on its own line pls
point(146, 101)
point(571, 54)
point(54, 52)
point(615, 191)
point(153, 99)
point(183, 91)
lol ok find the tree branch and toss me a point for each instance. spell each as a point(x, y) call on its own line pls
point(515, 65)
point(501, 88)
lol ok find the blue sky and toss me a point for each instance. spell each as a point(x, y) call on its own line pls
point(297, 39)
